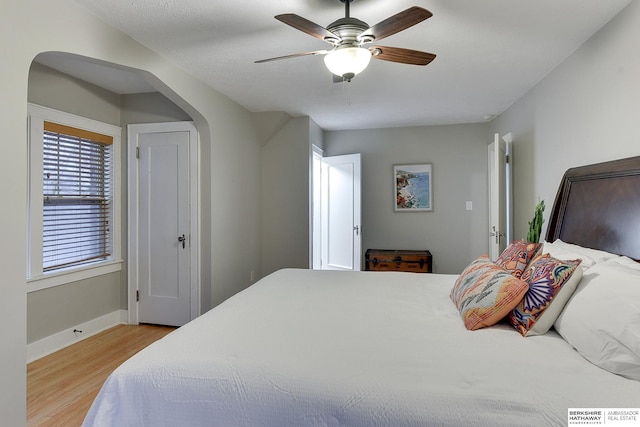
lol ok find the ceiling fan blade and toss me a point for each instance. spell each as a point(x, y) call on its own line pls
point(306, 26)
point(401, 55)
point(396, 23)
point(294, 55)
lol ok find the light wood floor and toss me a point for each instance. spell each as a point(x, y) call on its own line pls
point(62, 386)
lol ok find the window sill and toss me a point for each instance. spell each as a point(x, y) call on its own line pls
point(51, 280)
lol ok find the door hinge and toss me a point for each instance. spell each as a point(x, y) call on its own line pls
point(137, 152)
point(137, 296)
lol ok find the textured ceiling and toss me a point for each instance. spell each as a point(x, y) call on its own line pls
point(489, 53)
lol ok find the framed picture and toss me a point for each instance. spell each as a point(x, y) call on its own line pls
point(413, 185)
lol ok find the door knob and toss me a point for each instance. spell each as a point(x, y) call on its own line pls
point(183, 240)
point(495, 233)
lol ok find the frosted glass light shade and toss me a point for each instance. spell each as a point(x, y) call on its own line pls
point(347, 61)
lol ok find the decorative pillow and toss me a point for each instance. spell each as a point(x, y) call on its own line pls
point(551, 284)
point(517, 256)
point(602, 318)
point(485, 293)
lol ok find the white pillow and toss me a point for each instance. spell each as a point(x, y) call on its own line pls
point(557, 252)
point(546, 320)
point(568, 251)
point(602, 318)
point(623, 260)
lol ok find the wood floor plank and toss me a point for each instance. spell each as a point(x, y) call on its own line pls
point(62, 385)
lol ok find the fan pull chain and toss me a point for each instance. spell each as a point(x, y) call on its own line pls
point(346, 90)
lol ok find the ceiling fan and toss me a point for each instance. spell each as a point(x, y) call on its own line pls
point(348, 36)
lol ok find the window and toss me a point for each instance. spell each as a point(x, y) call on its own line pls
point(76, 197)
point(72, 202)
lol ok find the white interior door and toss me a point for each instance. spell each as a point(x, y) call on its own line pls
point(161, 223)
point(497, 161)
point(341, 213)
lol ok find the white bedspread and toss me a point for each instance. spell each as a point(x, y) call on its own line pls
point(324, 348)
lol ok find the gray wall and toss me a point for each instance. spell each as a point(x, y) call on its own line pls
point(50, 88)
point(62, 307)
point(285, 197)
point(585, 111)
point(150, 107)
point(458, 154)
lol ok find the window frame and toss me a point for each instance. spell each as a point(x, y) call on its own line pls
point(37, 279)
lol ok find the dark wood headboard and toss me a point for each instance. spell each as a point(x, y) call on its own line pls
point(598, 206)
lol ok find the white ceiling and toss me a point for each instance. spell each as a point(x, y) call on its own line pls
point(489, 53)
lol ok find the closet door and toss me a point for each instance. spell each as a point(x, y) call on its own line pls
point(163, 283)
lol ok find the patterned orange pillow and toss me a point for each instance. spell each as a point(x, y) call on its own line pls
point(485, 293)
point(517, 256)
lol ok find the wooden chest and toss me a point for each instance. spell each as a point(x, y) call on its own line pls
point(398, 260)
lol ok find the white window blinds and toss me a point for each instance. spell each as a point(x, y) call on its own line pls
point(77, 199)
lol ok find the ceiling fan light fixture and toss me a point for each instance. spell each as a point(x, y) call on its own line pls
point(347, 61)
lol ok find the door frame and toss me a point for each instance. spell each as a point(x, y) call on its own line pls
point(133, 130)
point(499, 186)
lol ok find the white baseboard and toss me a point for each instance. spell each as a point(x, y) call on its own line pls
point(62, 339)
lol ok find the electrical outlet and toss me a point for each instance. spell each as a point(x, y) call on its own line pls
point(469, 205)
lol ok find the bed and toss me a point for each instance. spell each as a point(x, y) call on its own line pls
point(328, 348)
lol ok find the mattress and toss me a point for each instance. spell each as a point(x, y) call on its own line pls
point(329, 348)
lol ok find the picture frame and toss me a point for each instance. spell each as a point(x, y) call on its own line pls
point(413, 188)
